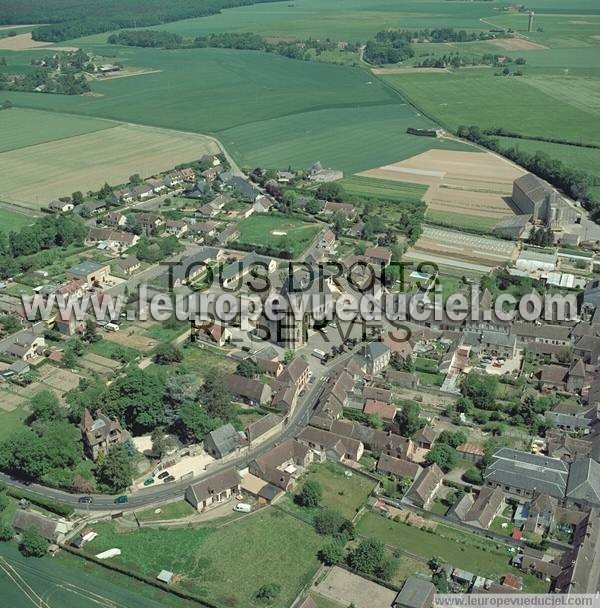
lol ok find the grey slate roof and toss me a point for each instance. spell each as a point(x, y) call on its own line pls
point(584, 481)
point(225, 438)
point(416, 593)
point(527, 471)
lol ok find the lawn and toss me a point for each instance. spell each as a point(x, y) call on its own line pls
point(202, 360)
point(459, 549)
point(13, 220)
point(172, 510)
point(383, 189)
point(278, 232)
point(345, 494)
point(33, 176)
point(22, 127)
point(11, 421)
point(226, 565)
point(163, 333)
point(431, 379)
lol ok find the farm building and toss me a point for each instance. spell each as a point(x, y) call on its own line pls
point(92, 272)
point(534, 261)
point(514, 227)
point(534, 196)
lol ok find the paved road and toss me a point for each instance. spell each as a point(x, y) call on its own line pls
point(166, 492)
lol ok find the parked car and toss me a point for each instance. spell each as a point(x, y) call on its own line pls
point(169, 479)
point(86, 499)
point(163, 474)
point(243, 507)
point(149, 481)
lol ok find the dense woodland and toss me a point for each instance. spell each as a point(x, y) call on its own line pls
point(74, 18)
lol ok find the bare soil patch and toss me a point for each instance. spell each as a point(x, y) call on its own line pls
point(133, 337)
point(517, 44)
point(21, 42)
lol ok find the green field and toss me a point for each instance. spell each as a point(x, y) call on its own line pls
point(584, 159)
point(13, 220)
point(11, 421)
point(472, 223)
point(70, 582)
point(267, 110)
point(461, 550)
point(383, 189)
point(261, 230)
point(351, 139)
point(209, 90)
point(233, 561)
point(35, 175)
point(21, 127)
point(336, 19)
point(478, 97)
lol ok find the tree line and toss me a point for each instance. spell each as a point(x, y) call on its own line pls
point(247, 41)
point(394, 46)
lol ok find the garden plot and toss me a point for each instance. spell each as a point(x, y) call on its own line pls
point(99, 364)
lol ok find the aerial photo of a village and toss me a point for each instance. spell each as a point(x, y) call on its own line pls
point(299, 303)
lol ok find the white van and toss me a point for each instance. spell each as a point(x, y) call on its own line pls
point(111, 327)
point(243, 507)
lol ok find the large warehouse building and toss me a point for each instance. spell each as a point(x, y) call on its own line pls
point(534, 196)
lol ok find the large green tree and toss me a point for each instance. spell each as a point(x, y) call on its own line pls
point(116, 470)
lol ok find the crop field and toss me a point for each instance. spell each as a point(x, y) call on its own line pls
point(584, 159)
point(383, 189)
point(278, 232)
point(33, 176)
point(293, 112)
point(244, 87)
point(558, 30)
point(464, 189)
point(228, 565)
point(21, 127)
point(478, 97)
point(337, 19)
point(69, 582)
point(350, 139)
